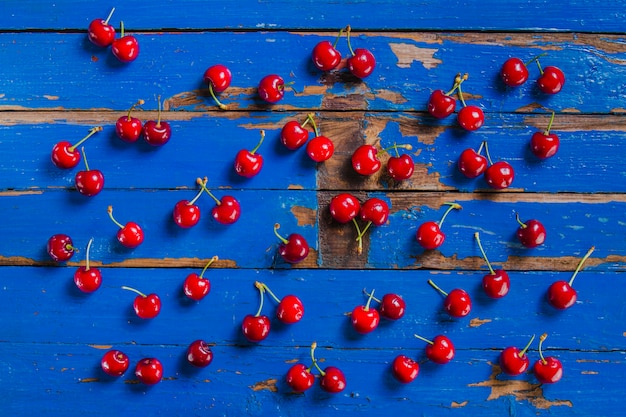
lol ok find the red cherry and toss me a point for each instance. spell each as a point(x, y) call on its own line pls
point(545, 144)
point(145, 306)
point(439, 350)
point(255, 328)
point(457, 302)
point(429, 234)
point(126, 47)
point(227, 210)
point(114, 362)
point(290, 309)
point(300, 378)
point(344, 207)
point(100, 32)
point(400, 167)
point(365, 319)
point(199, 354)
point(365, 160)
point(561, 294)
point(249, 163)
point(375, 211)
point(129, 128)
point(514, 72)
point(196, 286)
point(294, 248)
point(320, 148)
point(514, 361)
point(333, 380)
point(392, 307)
point(551, 80)
point(405, 369)
point(471, 117)
point(496, 283)
point(530, 233)
point(547, 370)
point(325, 56)
point(362, 63)
point(293, 135)
point(88, 279)
point(129, 235)
point(157, 133)
point(441, 104)
point(272, 88)
point(64, 155)
point(149, 371)
point(60, 247)
point(218, 78)
point(186, 213)
point(90, 181)
point(500, 175)
point(471, 163)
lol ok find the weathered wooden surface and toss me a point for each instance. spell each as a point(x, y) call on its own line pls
point(55, 86)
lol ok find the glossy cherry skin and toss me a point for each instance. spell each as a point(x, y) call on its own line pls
point(196, 287)
point(87, 280)
point(157, 133)
point(533, 235)
point(551, 81)
point(375, 210)
point(364, 320)
point(405, 369)
point(561, 295)
point(199, 354)
point(500, 175)
point(255, 328)
point(131, 235)
point(90, 182)
point(290, 309)
point(248, 164)
point(299, 378)
point(186, 215)
point(548, 372)
point(60, 247)
point(512, 363)
point(218, 77)
point(514, 72)
point(441, 350)
point(365, 160)
point(457, 303)
point(392, 307)
point(471, 117)
point(320, 148)
point(496, 285)
point(333, 381)
point(128, 129)
point(114, 362)
point(344, 207)
point(295, 250)
point(362, 63)
point(126, 48)
point(228, 211)
point(149, 371)
point(472, 164)
point(147, 307)
point(400, 167)
point(63, 157)
point(100, 33)
point(544, 146)
point(325, 56)
point(440, 105)
point(272, 88)
point(429, 235)
point(293, 135)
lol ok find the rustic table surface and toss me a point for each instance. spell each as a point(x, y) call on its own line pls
point(56, 85)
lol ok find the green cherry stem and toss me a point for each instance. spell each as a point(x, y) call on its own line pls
point(452, 206)
point(92, 131)
point(580, 264)
point(371, 295)
point(282, 239)
point(109, 16)
point(521, 223)
point(87, 254)
point(139, 102)
point(124, 287)
point(221, 105)
point(213, 259)
point(338, 36)
point(310, 117)
point(348, 30)
point(541, 339)
point(487, 153)
point(547, 131)
point(261, 289)
point(460, 92)
point(82, 150)
point(193, 201)
point(158, 124)
point(313, 347)
point(110, 211)
point(430, 342)
point(523, 351)
point(432, 284)
point(535, 59)
point(270, 292)
point(202, 183)
point(359, 236)
point(258, 145)
point(480, 246)
point(369, 301)
point(480, 148)
point(121, 29)
point(396, 146)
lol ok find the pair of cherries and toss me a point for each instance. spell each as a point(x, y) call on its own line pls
point(498, 175)
point(439, 350)
point(365, 319)
point(514, 361)
point(148, 370)
point(365, 162)
point(101, 33)
point(326, 57)
point(293, 135)
point(442, 104)
point(186, 213)
point(514, 72)
point(155, 132)
point(300, 378)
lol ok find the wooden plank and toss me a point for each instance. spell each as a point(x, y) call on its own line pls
point(410, 67)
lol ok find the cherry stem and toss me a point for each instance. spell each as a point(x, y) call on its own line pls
point(487, 152)
point(369, 301)
point(258, 145)
point(282, 239)
point(541, 339)
point(159, 112)
point(87, 254)
point(535, 59)
point(430, 342)
point(92, 131)
point(432, 284)
point(547, 131)
point(521, 223)
point(371, 295)
point(270, 292)
point(460, 92)
point(580, 264)
point(121, 29)
point(457, 82)
point(110, 211)
point(480, 148)
point(396, 146)
point(124, 287)
point(452, 206)
point(338, 36)
point(359, 236)
point(523, 351)
point(480, 246)
point(193, 201)
point(213, 259)
point(310, 117)
point(306, 122)
point(348, 30)
point(261, 289)
point(367, 226)
point(82, 150)
point(138, 103)
point(202, 183)
point(313, 347)
point(109, 16)
point(219, 103)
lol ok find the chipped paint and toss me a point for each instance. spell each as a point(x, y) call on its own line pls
point(589, 372)
point(268, 384)
point(88, 380)
point(407, 53)
point(459, 405)
point(304, 215)
point(106, 347)
point(477, 322)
